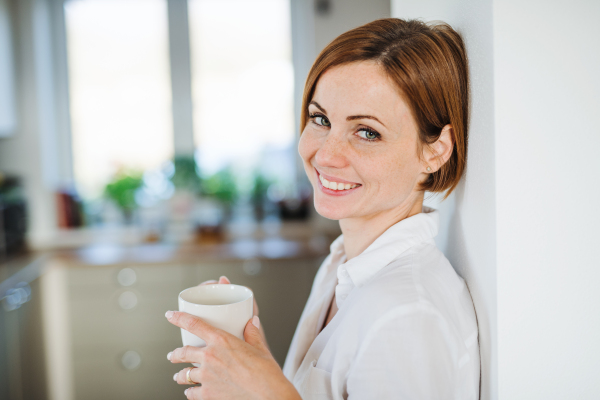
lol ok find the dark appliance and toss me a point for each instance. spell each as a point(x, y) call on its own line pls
point(13, 217)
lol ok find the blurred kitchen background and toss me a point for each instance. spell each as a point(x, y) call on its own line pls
point(147, 146)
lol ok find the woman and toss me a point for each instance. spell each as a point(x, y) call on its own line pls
point(384, 118)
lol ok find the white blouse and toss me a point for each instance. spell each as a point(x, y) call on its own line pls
point(405, 328)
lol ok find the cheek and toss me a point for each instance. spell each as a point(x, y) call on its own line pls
point(394, 175)
point(307, 146)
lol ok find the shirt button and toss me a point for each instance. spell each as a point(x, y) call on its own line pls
point(343, 297)
point(344, 273)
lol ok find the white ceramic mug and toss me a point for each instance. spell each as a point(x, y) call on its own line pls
point(224, 306)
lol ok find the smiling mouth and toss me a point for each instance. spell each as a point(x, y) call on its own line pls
point(341, 186)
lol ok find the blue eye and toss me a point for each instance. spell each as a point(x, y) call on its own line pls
point(368, 134)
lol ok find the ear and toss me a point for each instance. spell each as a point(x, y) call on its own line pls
point(436, 154)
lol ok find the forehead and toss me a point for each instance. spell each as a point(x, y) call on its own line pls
point(360, 88)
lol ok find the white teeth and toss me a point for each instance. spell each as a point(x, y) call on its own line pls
point(336, 185)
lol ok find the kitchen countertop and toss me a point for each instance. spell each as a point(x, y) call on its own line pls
point(28, 267)
point(161, 253)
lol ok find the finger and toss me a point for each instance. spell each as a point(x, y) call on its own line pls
point(181, 376)
point(255, 307)
point(193, 393)
point(224, 279)
point(252, 334)
point(208, 282)
point(186, 354)
point(194, 325)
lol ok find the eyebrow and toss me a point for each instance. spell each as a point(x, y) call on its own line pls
point(350, 118)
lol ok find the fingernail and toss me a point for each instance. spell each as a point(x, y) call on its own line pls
point(255, 321)
point(186, 390)
point(224, 277)
point(169, 356)
point(169, 314)
point(174, 377)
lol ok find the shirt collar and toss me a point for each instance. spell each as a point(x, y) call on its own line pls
point(337, 246)
point(388, 246)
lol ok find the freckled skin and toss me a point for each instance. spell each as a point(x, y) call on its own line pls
point(389, 169)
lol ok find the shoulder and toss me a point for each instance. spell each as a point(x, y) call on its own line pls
point(422, 283)
point(422, 274)
point(417, 329)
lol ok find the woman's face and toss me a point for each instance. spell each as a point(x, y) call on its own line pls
point(362, 136)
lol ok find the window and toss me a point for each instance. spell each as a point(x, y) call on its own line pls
point(242, 85)
point(120, 87)
point(120, 90)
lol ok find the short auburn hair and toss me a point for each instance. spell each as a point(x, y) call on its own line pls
point(428, 62)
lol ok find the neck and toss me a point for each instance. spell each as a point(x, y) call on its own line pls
point(360, 232)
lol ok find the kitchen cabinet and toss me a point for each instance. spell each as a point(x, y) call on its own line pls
point(112, 330)
point(22, 347)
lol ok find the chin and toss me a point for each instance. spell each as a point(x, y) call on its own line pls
point(330, 211)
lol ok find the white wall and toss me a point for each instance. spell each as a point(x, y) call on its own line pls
point(547, 103)
point(518, 229)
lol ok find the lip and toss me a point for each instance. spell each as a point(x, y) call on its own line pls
point(332, 192)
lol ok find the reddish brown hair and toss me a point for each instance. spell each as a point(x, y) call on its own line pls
point(428, 62)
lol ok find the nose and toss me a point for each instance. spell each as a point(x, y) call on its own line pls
point(332, 152)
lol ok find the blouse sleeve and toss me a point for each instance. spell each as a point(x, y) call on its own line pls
point(408, 354)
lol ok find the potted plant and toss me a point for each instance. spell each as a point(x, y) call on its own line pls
point(222, 187)
point(121, 190)
point(186, 174)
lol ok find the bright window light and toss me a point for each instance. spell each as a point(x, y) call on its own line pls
point(120, 89)
point(242, 85)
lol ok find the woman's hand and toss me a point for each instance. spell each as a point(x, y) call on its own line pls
point(230, 368)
